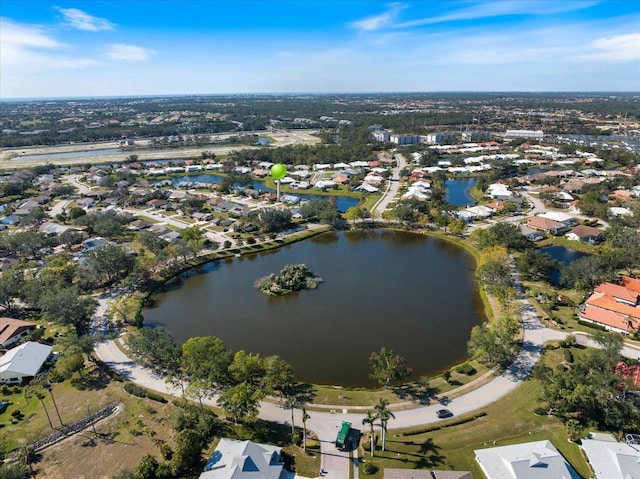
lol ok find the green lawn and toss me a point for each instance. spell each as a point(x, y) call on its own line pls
point(508, 421)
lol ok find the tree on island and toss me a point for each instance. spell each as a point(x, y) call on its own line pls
point(293, 277)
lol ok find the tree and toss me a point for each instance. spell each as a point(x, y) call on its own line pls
point(388, 367)
point(247, 368)
point(26, 457)
point(384, 414)
point(67, 306)
point(405, 213)
point(147, 467)
point(534, 265)
point(241, 402)
point(305, 417)
point(494, 342)
point(105, 264)
point(371, 420)
point(273, 220)
point(187, 454)
point(457, 227)
point(156, 347)
point(207, 359)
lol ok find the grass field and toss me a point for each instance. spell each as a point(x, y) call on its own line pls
point(508, 421)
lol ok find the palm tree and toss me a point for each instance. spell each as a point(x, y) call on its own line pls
point(291, 402)
point(305, 416)
point(26, 457)
point(370, 420)
point(384, 414)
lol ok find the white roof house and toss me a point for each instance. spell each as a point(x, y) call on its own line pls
point(560, 217)
point(612, 460)
point(23, 361)
point(531, 460)
point(244, 460)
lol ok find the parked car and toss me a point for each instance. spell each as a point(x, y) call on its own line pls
point(443, 413)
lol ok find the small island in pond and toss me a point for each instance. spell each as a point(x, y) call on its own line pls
point(293, 277)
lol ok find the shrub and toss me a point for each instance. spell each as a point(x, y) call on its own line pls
point(467, 369)
point(369, 468)
point(135, 390)
point(155, 396)
point(568, 356)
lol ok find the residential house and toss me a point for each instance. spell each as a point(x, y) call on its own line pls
point(585, 234)
point(566, 220)
point(23, 362)
point(234, 459)
point(610, 459)
point(545, 225)
point(13, 330)
point(532, 460)
point(614, 306)
point(531, 234)
point(158, 203)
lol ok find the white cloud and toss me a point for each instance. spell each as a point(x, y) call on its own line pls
point(501, 8)
point(617, 48)
point(379, 21)
point(83, 21)
point(128, 53)
point(16, 35)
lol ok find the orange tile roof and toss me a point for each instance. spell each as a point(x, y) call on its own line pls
point(618, 291)
point(606, 317)
point(604, 301)
point(630, 283)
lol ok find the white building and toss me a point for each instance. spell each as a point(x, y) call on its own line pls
point(567, 220)
point(531, 460)
point(244, 460)
point(438, 138)
point(532, 134)
point(24, 361)
point(612, 460)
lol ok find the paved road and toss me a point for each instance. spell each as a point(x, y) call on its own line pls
point(393, 187)
point(325, 424)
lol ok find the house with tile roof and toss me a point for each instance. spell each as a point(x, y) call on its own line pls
point(614, 306)
point(13, 330)
point(234, 459)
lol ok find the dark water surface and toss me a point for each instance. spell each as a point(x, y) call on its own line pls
point(407, 292)
point(564, 256)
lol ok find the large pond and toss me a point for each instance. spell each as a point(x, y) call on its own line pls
point(411, 293)
point(564, 256)
point(343, 203)
point(457, 191)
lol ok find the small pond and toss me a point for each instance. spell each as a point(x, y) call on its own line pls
point(562, 255)
point(458, 191)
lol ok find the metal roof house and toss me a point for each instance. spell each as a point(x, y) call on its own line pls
point(245, 460)
point(531, 460)
point(24, 361)
point(612, 460)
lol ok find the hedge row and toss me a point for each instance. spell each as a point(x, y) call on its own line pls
point(136, 390)
point(437, 427)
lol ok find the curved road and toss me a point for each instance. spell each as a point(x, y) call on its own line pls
point(325, 424)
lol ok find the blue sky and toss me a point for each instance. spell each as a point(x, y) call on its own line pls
point(155, 47)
